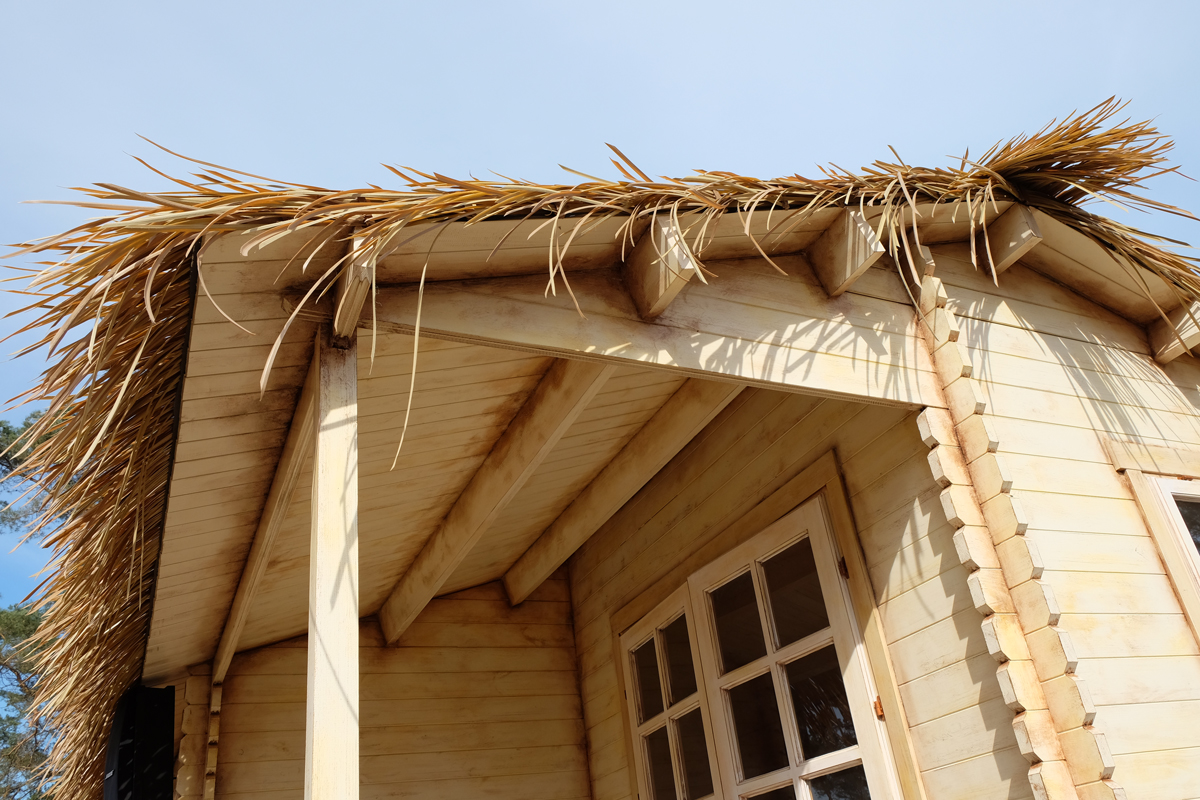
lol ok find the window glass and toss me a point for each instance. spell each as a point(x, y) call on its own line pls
point(849, 784)
point(739, 632)
point(757, 728)
point(645, 662)
point(697, 775)
point(797, 606)
point(819, 700)
point(677, 647)
point(662, 775)
point(1190, 511)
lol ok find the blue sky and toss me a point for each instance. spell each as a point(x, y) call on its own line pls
point(322, 93)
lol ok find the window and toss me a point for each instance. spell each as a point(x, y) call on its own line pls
point(751, 681)
point(1183, 534)
point(1186, 495)
point(1170, 507)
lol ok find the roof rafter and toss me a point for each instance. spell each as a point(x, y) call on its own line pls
point(845, 251)
point(559, 398)
point(663, 435)
point(658, 268)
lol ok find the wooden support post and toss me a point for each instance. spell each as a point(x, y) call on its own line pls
point(331, 732)
point(558, 400)
point(664, 435)
point(844, 252)
point(659, 266)
point(1010, 236)
point(1177, 334)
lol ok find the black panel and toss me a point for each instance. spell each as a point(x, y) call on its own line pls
point(141, 746)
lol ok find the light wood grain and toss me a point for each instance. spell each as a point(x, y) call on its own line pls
point(296, 449)
point(845, 251)
point(561, 396)
point(664, 435)
point(659, 266)
point(1009, 237)
point(331, 769)
point(713, 330)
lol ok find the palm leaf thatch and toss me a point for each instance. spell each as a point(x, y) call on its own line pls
point(113, 309)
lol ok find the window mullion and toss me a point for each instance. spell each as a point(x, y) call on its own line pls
point(764, 607)
point(721, 725)
point(783, 696)
point(703, 698)
point(676, 756)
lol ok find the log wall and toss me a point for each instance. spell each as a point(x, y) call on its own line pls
point(1055, 371)
point(961, 729)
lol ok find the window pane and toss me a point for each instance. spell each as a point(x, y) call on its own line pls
point(757, 727)
point(697, 775)
point(681, 675)
point(795, 593)
point(782, 793)
point(1191, 517)
point(645, 662)
point(739, 632)
point(658, 754)
point(819, 699)
point(849, 784)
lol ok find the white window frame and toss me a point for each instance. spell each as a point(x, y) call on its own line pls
point(873, 749)
point(1177, 489)
point(1170, 533)
point(666, 612)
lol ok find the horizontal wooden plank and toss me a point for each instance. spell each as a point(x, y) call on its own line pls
point(1084, 412)
point(1146, 727)
point(959, 686)
point(1000, 775)
point(405, 686)
point(409, 738)
point(1160, 773)
point(1113, 592)
point(397, 768)
point(1025, 299)
point(552, 786)
point(293, 660)
point(424, 634)
point(979, 730)
point(1163, 679)
point(937, 646)
point(378, 713)
point(1126, 635)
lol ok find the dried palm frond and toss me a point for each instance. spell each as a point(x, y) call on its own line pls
point(114, 310)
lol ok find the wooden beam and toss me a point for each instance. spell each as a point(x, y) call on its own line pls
point(331, 732)
point(750, 326)
point(353, 288)
point(1177, 334)
point(1013, 234)
point(844, 252)
point(683, 416)
point(296, 449)
point(558, 400)
point(659, 266)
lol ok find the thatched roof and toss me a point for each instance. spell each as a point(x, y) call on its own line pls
point(113, 309)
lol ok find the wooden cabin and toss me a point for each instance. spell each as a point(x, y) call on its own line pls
point(859, 499)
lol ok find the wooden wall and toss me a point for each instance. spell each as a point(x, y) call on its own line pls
point(480, 701)
point(961, 729)
point(1055, 370)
